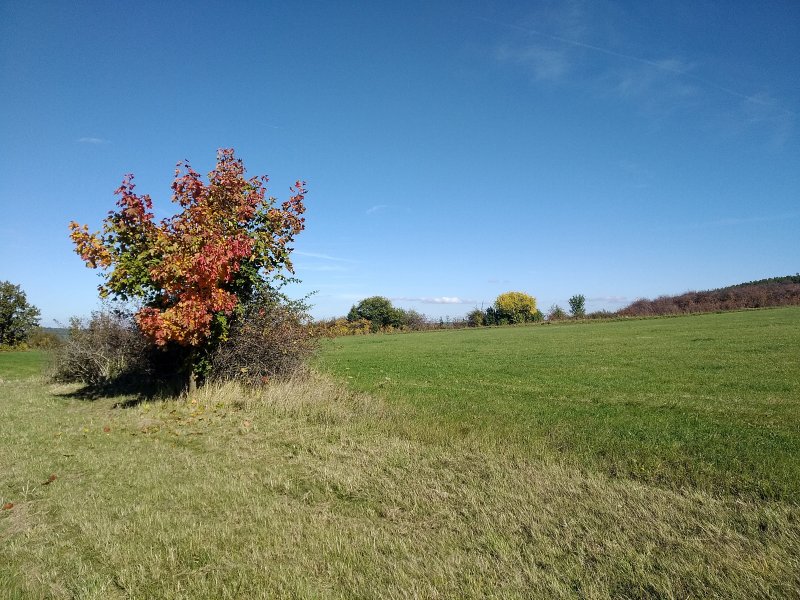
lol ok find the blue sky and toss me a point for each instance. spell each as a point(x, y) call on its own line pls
point(453, 150)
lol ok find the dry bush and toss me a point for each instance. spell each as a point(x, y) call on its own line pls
point(556, 313)
point(411, 320)
point(107, 349)
point(759, 295)
point(270, 341)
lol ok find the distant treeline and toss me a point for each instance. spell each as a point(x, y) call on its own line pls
point(775, 291)
point(785, 279)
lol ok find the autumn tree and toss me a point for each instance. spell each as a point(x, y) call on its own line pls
point(18, 318)
point(193, 271)
point(516, 307)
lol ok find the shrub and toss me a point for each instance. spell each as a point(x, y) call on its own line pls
point(410, 319)
point(601, 314)
point(476, 318)
point(271, 340)
point(107, 350)
point(341, 327)
point(492, 317)
point(556, 313)
point(382, 316)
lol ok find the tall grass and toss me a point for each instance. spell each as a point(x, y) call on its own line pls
point(309, 490)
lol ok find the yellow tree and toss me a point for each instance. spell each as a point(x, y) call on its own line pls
point(516, 307)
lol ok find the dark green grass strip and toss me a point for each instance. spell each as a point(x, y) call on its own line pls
point(707, 401)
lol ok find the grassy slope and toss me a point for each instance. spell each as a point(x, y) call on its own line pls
point(708, 401)
point(315, 492)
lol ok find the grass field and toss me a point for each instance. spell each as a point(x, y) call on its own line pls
point(471, 469)
point(16, 365)
point(702, 402)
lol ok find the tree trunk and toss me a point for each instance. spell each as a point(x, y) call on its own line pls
point(191, 385)
point(191, 376)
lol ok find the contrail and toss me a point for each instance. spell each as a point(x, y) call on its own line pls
point(644, 61)
point(322, 256)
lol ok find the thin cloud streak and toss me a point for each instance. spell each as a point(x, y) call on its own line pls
point(92, 140)
point(323, 256)
point(435, 300)
point(669, 66)
point(546, 64)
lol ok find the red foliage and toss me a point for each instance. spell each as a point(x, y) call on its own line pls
point(200, 262)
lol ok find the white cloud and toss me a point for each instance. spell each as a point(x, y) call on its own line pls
point(376, 208)
point(92, 140)
point(435, 300)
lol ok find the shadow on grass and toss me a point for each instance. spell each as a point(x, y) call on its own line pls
point(131, 392)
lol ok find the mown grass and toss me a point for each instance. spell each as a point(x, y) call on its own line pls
point(706, 402)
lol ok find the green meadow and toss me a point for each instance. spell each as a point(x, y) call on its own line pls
point(653, 458)
point(22, 364)
point(706, 401)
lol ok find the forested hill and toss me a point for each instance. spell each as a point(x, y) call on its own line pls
point(785, 279)
point(775, 291)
